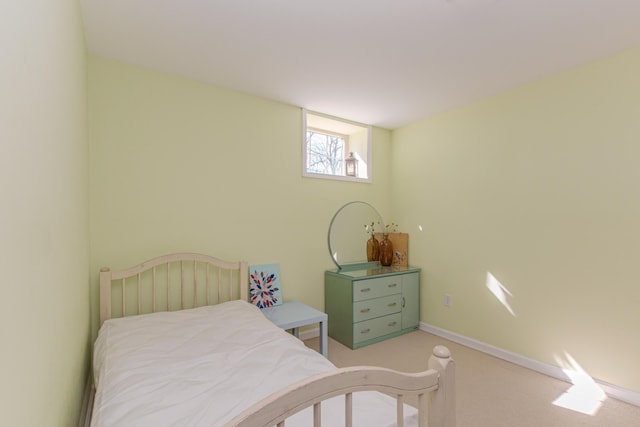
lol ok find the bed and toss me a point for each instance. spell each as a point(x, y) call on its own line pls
point(179, 345)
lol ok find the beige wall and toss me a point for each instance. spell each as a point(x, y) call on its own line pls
point(539, 187)
point(177, 165)
point(44, 232)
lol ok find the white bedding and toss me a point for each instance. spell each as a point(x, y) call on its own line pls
point(203, 366)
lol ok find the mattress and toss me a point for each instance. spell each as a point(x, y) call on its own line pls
point(203, 366)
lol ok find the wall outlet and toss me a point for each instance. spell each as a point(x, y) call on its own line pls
point(448, 301)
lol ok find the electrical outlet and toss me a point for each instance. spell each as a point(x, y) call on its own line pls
point(448, 301)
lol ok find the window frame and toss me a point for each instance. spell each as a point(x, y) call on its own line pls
point(347, 148)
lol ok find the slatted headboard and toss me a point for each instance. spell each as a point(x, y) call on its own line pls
point(171, 282)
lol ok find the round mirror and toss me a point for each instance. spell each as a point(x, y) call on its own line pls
point(347, 234)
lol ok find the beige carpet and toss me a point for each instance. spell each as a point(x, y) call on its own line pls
point(490, 392)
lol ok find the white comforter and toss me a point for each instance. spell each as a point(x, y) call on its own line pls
point(201, 367)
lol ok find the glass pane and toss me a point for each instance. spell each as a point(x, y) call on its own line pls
point(325, 153)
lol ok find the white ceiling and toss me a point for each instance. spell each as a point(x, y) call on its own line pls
point(380, 62)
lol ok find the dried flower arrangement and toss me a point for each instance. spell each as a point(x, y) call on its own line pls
point(390, 228)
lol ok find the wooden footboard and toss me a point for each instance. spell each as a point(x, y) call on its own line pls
point(435, 389)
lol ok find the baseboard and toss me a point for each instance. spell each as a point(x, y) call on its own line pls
point(612, 390)
point(87, 403)
point(307, 334)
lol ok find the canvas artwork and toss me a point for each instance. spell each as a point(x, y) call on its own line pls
point(264, 285)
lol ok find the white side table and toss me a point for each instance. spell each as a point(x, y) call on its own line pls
point(293, 314)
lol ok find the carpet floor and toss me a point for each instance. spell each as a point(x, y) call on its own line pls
point(490, 392)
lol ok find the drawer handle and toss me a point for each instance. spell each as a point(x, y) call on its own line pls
point(392, 285)
point(393, 304)
point(365, 331)
point(365, 310)
point(365, 289)
point(393, 323)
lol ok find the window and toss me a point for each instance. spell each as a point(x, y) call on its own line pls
point(325, 152)
point(335, 148)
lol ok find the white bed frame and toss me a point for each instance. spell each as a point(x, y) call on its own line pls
point(223, 281)
point(205, 280)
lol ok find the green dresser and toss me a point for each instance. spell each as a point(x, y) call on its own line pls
point(368, 305)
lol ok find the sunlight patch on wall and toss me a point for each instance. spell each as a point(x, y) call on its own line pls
point(584, 396)
point(500, 292)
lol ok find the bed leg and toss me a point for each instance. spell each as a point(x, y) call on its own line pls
point(442, 402)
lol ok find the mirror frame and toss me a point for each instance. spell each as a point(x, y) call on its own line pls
point(358, 227)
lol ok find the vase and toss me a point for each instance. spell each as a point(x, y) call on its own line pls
point(386, 251)
point(373, 249)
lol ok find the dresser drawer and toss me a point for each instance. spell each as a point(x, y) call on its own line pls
point(368, 309)
point(375, 288)
point(377, 327)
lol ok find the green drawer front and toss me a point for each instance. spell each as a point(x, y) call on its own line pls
point(368, 309)
point(375, 328)
point(376, 288)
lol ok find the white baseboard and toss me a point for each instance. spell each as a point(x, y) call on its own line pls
point(612, 390)
point(309, 333)
point(87, 403)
